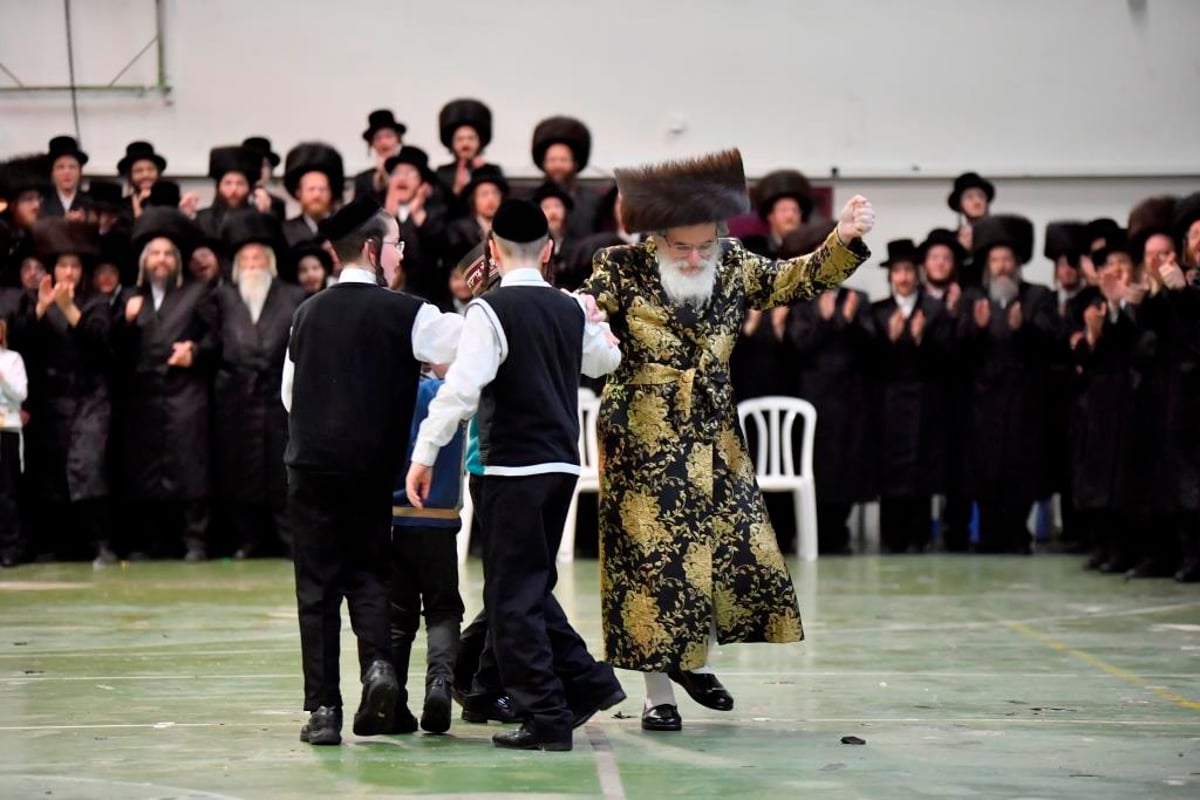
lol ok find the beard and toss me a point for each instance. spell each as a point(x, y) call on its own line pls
point(1003, 290)
point(253, 287)
point(682, 289)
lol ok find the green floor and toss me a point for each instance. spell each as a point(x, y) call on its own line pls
point(967, 677)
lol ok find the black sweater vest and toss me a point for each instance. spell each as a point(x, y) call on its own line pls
point(529, 415)
point(355, 381)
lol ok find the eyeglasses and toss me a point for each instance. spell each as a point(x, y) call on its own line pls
point(683, 250)
point(397, 243)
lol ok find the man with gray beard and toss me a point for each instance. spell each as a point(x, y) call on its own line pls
point(1007, 336)
point(689, 558)
point(165, 348)
point(252, 316)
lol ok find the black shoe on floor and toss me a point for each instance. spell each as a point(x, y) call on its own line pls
point(380, 690)
point(403, 721)
point(662, 718)
point(705, 689)
point(1189, 573)
point(524, 738)
point(580, 715)
point(435, 717)
point(105, 557)
point(324, 726)
point(1150, 568)
point(480, 710)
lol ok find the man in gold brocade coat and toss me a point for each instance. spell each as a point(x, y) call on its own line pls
point(688, 555)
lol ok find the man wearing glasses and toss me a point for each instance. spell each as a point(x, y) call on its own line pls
point(688, 555)
point(350, 385)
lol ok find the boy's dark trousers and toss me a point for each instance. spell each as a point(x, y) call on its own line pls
point(425, 574)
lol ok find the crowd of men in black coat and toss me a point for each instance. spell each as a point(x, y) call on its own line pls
point(154, 343)
point(991, 393)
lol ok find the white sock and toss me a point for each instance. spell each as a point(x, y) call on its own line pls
point(659, 691)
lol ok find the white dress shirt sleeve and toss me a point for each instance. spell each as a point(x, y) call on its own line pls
point(600, 356)
point(480, 353)
point(13, 381)
point(289, 375)
point(435, 335)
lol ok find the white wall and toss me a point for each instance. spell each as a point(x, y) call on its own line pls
point(874, 87)
point(1057, 96)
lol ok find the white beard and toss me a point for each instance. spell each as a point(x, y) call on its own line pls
point(253, 287)
point(693, 290)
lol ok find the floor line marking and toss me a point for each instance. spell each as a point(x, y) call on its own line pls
point(1099, 663)
point(606, 764)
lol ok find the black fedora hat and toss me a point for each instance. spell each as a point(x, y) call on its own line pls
point(414, 156)
point(105, 194)
point(969, 180)
point(899, 251)
point(379, 120)
point(552, 189)
point(66, 146)
point(263, 145)
point(488, 173)
point(140, 151)
point(945, 238)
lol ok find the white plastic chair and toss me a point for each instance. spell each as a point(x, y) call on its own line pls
point(775, 467)
point(589, 472)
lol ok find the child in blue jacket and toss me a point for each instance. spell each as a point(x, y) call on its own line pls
point(425, 574)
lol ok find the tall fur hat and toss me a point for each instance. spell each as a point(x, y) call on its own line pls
point(780, 184)
point(708, 188)
point(468, 112)
point(309, 157)
point(235, 158)
point(24, 174)
point(1151, 216)
point(806, 239)
point(1187, 212)
point(1007, 230)
point(1066, 238)
point(249, 226)
point(57, 236)
point(562, 130)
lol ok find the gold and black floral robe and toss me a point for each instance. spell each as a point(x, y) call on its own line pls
point(684, 533)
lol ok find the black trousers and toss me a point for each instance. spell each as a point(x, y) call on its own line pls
point(71, 531)
point(536, 651)
point(834, 533)
point(259, 530)
point(12, 533)
point(162, 525)
point(425, 578)
point(1004, 526)
point(341, 525)
point(904, 523)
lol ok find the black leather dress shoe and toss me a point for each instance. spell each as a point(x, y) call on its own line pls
point(479, 710)
point(585, 711)
point(403, 721)
point(1150, 568)
point(435, 717)
point(324, 726)
point(524, 738)
point(705, 689)
point(662, 718)
point(378, 706)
